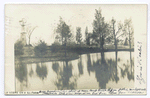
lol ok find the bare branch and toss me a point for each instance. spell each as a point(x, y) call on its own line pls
point(121, 35)
point(29, 31)
point(118, 31)
point(119, 28)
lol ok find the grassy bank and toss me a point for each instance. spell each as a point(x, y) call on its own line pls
point(47, 58)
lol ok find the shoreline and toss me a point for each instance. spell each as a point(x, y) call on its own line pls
point(59, 57)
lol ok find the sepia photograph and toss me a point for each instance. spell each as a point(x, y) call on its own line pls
point(75, 46)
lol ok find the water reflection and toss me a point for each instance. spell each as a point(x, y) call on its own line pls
point(128, 71)
point(21, 74)
point(89, 64)
point(55, 67)
point(65, 79)
point(41, 70)
point(97, 70)
point(80, 66)
point(21, 71)
point(107, 69)
point(31, 72)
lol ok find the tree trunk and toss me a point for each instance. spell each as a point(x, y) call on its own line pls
point(62, 40)
point(116, 57)
point(102, 56)
point(130, 48)
point(129, 38)
point(131, 61)
point(100, 40)
point(29, 40)
point(65, 41)
point(115, 43)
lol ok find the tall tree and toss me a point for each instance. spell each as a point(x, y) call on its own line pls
point(78, 35)
point(128, 30)
point(100, 28)
point(116, 33)
point(86, 35)
point(63, 31)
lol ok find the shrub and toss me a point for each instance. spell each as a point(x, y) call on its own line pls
point(41, 49)
point(56, 44)
point(19, 48)
point(55, 47)
point(71, 43)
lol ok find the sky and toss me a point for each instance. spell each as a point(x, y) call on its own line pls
point(46, 17)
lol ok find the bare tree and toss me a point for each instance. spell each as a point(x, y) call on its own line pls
point(128, 30)
point(116, 34)
point(29, 31)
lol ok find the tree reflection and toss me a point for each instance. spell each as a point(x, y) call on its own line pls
point(101, 73)
point(128, 70)
point(80, 66)
point(21, 71)
point(107, 70)
point(89, 64)
point(65, 79)
point(113, 71)
point(31, 72)
point(41, 70)
point(55, 66)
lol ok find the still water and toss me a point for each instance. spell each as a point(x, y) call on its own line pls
point(90, 71)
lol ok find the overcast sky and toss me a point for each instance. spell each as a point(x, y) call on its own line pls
point(46, 17)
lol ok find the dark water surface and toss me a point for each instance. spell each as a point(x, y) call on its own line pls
point(90, 71)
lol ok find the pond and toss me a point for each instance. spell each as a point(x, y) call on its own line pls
point(91, 71)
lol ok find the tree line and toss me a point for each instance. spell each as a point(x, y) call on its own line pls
point(103, 32)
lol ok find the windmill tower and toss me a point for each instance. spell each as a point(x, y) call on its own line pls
point(23, 33)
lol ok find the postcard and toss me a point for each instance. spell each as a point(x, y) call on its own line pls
point(75, 49)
